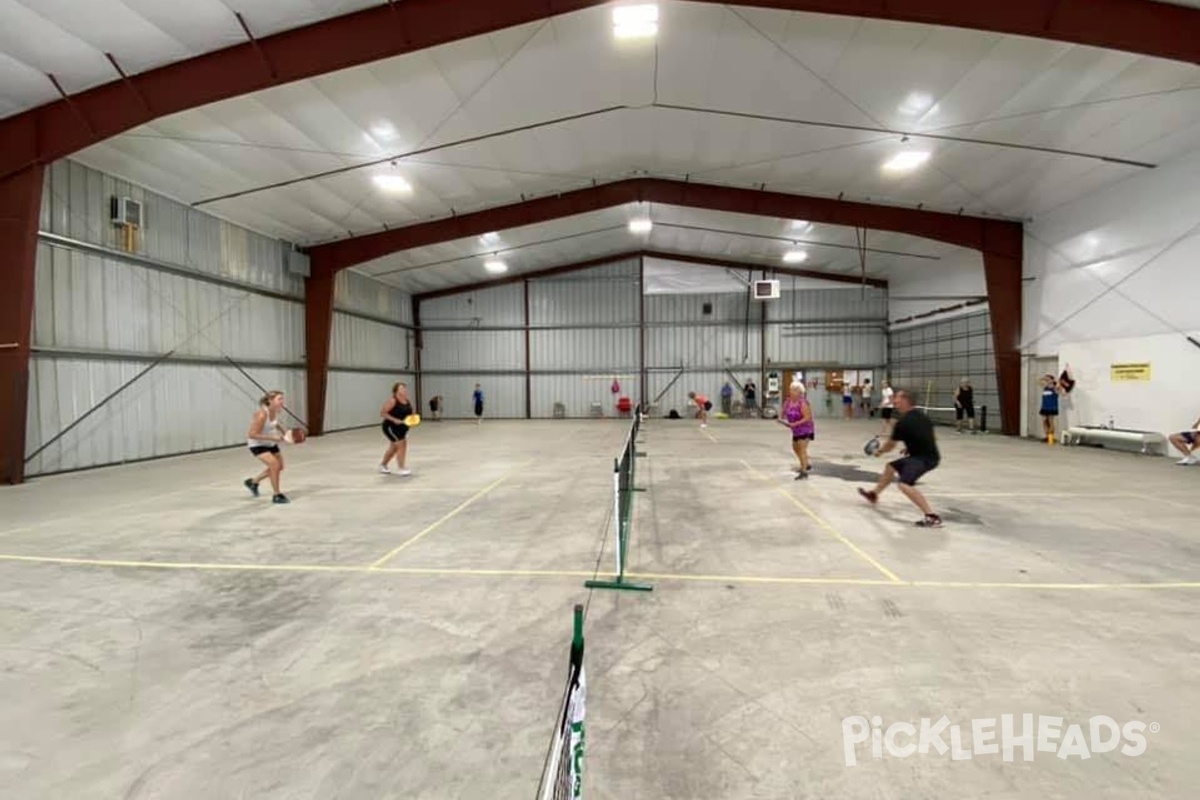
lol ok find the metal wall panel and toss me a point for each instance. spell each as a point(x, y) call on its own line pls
point(175, 408)
point(668, 393)
point(499, 305)
point(76, 204)
point(703, 346)
point(931, 358)
point(355, 292)
point(577, 393)
point(358, 342)
point(585, 349)
point(85, 301)
point(609, 294)
point(353, 399)
point(473, 350)
point(831, 344)
point(504, 395)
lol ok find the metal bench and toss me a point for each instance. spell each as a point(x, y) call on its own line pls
point(1144, 442)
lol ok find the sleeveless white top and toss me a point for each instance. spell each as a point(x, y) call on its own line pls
point(269, 425)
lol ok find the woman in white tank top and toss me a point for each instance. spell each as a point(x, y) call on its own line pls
point(263, 438)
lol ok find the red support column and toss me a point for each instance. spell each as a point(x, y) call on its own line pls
point(1003, 261)
point(318, 329)
point(20, 206)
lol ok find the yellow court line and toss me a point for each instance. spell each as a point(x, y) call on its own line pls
point(709, 435)
point(893, 577)
point(548, 573)
point(457, 509)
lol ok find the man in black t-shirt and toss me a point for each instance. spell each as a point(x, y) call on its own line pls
point(915, 430)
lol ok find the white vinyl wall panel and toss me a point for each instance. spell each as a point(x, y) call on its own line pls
point(89, 302)
point(707, 383)
point(702, 347)
point(353, 399)
point(504, 395)
point(585, 349)
point(359, 342)
point(473, 350)
point(833, 344)
point(497, 306)
point(578, 392)
point(604, 295)
point(355, 292)
point(175, 408)
point(76, 204)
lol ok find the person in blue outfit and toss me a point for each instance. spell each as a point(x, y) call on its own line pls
point(1049, 411)
point(477, 401)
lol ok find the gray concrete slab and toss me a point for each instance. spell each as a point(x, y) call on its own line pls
point(166, 635)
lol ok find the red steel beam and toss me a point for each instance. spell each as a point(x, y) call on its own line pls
point(55, 130)
point(20, 203)
point(956, 229)
point(318, 329)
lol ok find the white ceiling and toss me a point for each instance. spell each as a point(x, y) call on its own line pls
point(824, 69)
point(69, 38)
point(755, 240)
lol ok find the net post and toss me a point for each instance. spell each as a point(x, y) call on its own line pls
point(621, 527)
point(983, 419)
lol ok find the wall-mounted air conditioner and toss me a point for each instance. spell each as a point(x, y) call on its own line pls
point(765, 290)
point(126, 211)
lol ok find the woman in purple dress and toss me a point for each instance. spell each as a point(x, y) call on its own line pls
point(797, 415)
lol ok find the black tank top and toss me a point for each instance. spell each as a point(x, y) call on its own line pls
point(401, 410)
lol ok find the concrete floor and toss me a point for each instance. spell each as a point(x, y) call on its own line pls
point(164, 635)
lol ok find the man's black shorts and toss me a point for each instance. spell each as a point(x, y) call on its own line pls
point(964, 411)
point(910, 469)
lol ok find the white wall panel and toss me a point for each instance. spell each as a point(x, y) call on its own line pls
point(356, 292)
point(353, 399)
point(707, 383)
point(832, 344)
point(359, 342)
point(703, 347)
point(174, 408)
point(609, 294)
point(590, 349)
point(86, 301)
point(473, 350)
point(499, 305)
point(578, 392)
point(75, 204)
point(504, 395)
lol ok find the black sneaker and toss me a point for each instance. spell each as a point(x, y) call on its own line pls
point(869, 495)
point(801, 475)
point(930, 521)
point(280, 499)
point(251, 485)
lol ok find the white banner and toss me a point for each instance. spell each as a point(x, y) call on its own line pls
point(578, 709)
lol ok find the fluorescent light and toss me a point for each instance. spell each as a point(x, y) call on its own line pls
point(795, 257)
point(635, 22)
point(490, 238)
point(905, 161)
point(495, 266)
point(392, 183)
point(801, 225)
point(640, 225)
point(916, 104)
point(383, 130)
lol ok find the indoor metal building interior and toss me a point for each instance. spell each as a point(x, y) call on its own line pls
point(561, 222)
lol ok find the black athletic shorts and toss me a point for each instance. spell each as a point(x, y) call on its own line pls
point(964, 411)
point(1046, 413)
point(479, 409)
point(886, 412)
point(258, 450)
point(394, 433)
point(910, 469)
point(708, 405)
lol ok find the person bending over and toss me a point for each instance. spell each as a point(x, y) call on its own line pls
point(915, 430)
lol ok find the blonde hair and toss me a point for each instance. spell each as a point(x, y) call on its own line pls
point(266, 399)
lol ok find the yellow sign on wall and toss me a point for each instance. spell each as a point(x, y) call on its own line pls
point(1131, 372)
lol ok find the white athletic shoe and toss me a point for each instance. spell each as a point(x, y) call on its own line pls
point(703, 424)
point(1187, 462)
point(404, 472)
point(384, 471)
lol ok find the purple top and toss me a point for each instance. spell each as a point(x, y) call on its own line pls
point(794, 412)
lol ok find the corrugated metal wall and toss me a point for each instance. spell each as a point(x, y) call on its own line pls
point(585, 328)
point(371, 349)
point(933, 357)
point(196, 285)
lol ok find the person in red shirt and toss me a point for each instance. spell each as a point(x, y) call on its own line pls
point(703, 406)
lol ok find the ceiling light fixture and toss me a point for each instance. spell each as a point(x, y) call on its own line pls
point(916, 104)
point(801, 225)
point(495, 266)
point(635, 22)
point(795, 257)
point(640, 225)
point(490, 238)
point(392, 183)
point(906, 161)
